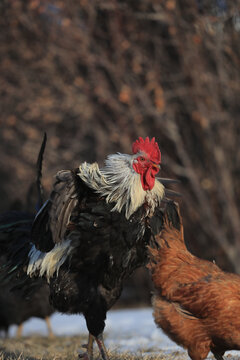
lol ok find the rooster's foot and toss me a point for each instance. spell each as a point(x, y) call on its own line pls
point(101, 346)
point(87, 355)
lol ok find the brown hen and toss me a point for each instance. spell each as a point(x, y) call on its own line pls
point(195, 303)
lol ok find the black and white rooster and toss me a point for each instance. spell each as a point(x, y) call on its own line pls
point(93, 232)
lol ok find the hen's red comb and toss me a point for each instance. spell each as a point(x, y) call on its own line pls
point(149, 147)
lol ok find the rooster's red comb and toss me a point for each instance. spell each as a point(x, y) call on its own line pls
point(149, 147)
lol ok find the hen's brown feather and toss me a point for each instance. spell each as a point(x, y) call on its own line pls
point(195, 302)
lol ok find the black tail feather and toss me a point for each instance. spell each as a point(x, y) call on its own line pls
point(35, 196)
point(39, 172)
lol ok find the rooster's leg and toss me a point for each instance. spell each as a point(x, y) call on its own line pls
point(88, 355)
point(218, 355)
point(101, 346)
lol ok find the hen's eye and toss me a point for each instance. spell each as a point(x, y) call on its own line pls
point(141, 159)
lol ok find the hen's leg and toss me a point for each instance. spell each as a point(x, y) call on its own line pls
point(50, 332)
point(19, 330)
point(88, 355)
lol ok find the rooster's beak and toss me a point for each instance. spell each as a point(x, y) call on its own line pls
point(166, 181)
point(156, 167)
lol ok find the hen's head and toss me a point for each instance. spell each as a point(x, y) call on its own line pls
point(146, 161)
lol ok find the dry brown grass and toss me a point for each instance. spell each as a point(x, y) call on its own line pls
point(67, 348)
point(63, 348)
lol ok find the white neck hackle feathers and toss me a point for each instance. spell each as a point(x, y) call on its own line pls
point(120, 184)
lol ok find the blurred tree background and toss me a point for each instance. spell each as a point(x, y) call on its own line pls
point(96, 74)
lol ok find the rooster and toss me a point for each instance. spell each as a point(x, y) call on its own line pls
point(195, 303)
point(16, 306)
point(93, 231)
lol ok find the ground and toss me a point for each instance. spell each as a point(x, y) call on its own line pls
point(63, 348)
point(130, 335)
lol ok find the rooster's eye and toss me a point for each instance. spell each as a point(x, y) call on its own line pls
point(141, 159)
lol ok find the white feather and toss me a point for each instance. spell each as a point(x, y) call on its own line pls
point(120, 184)
point(48, 263)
